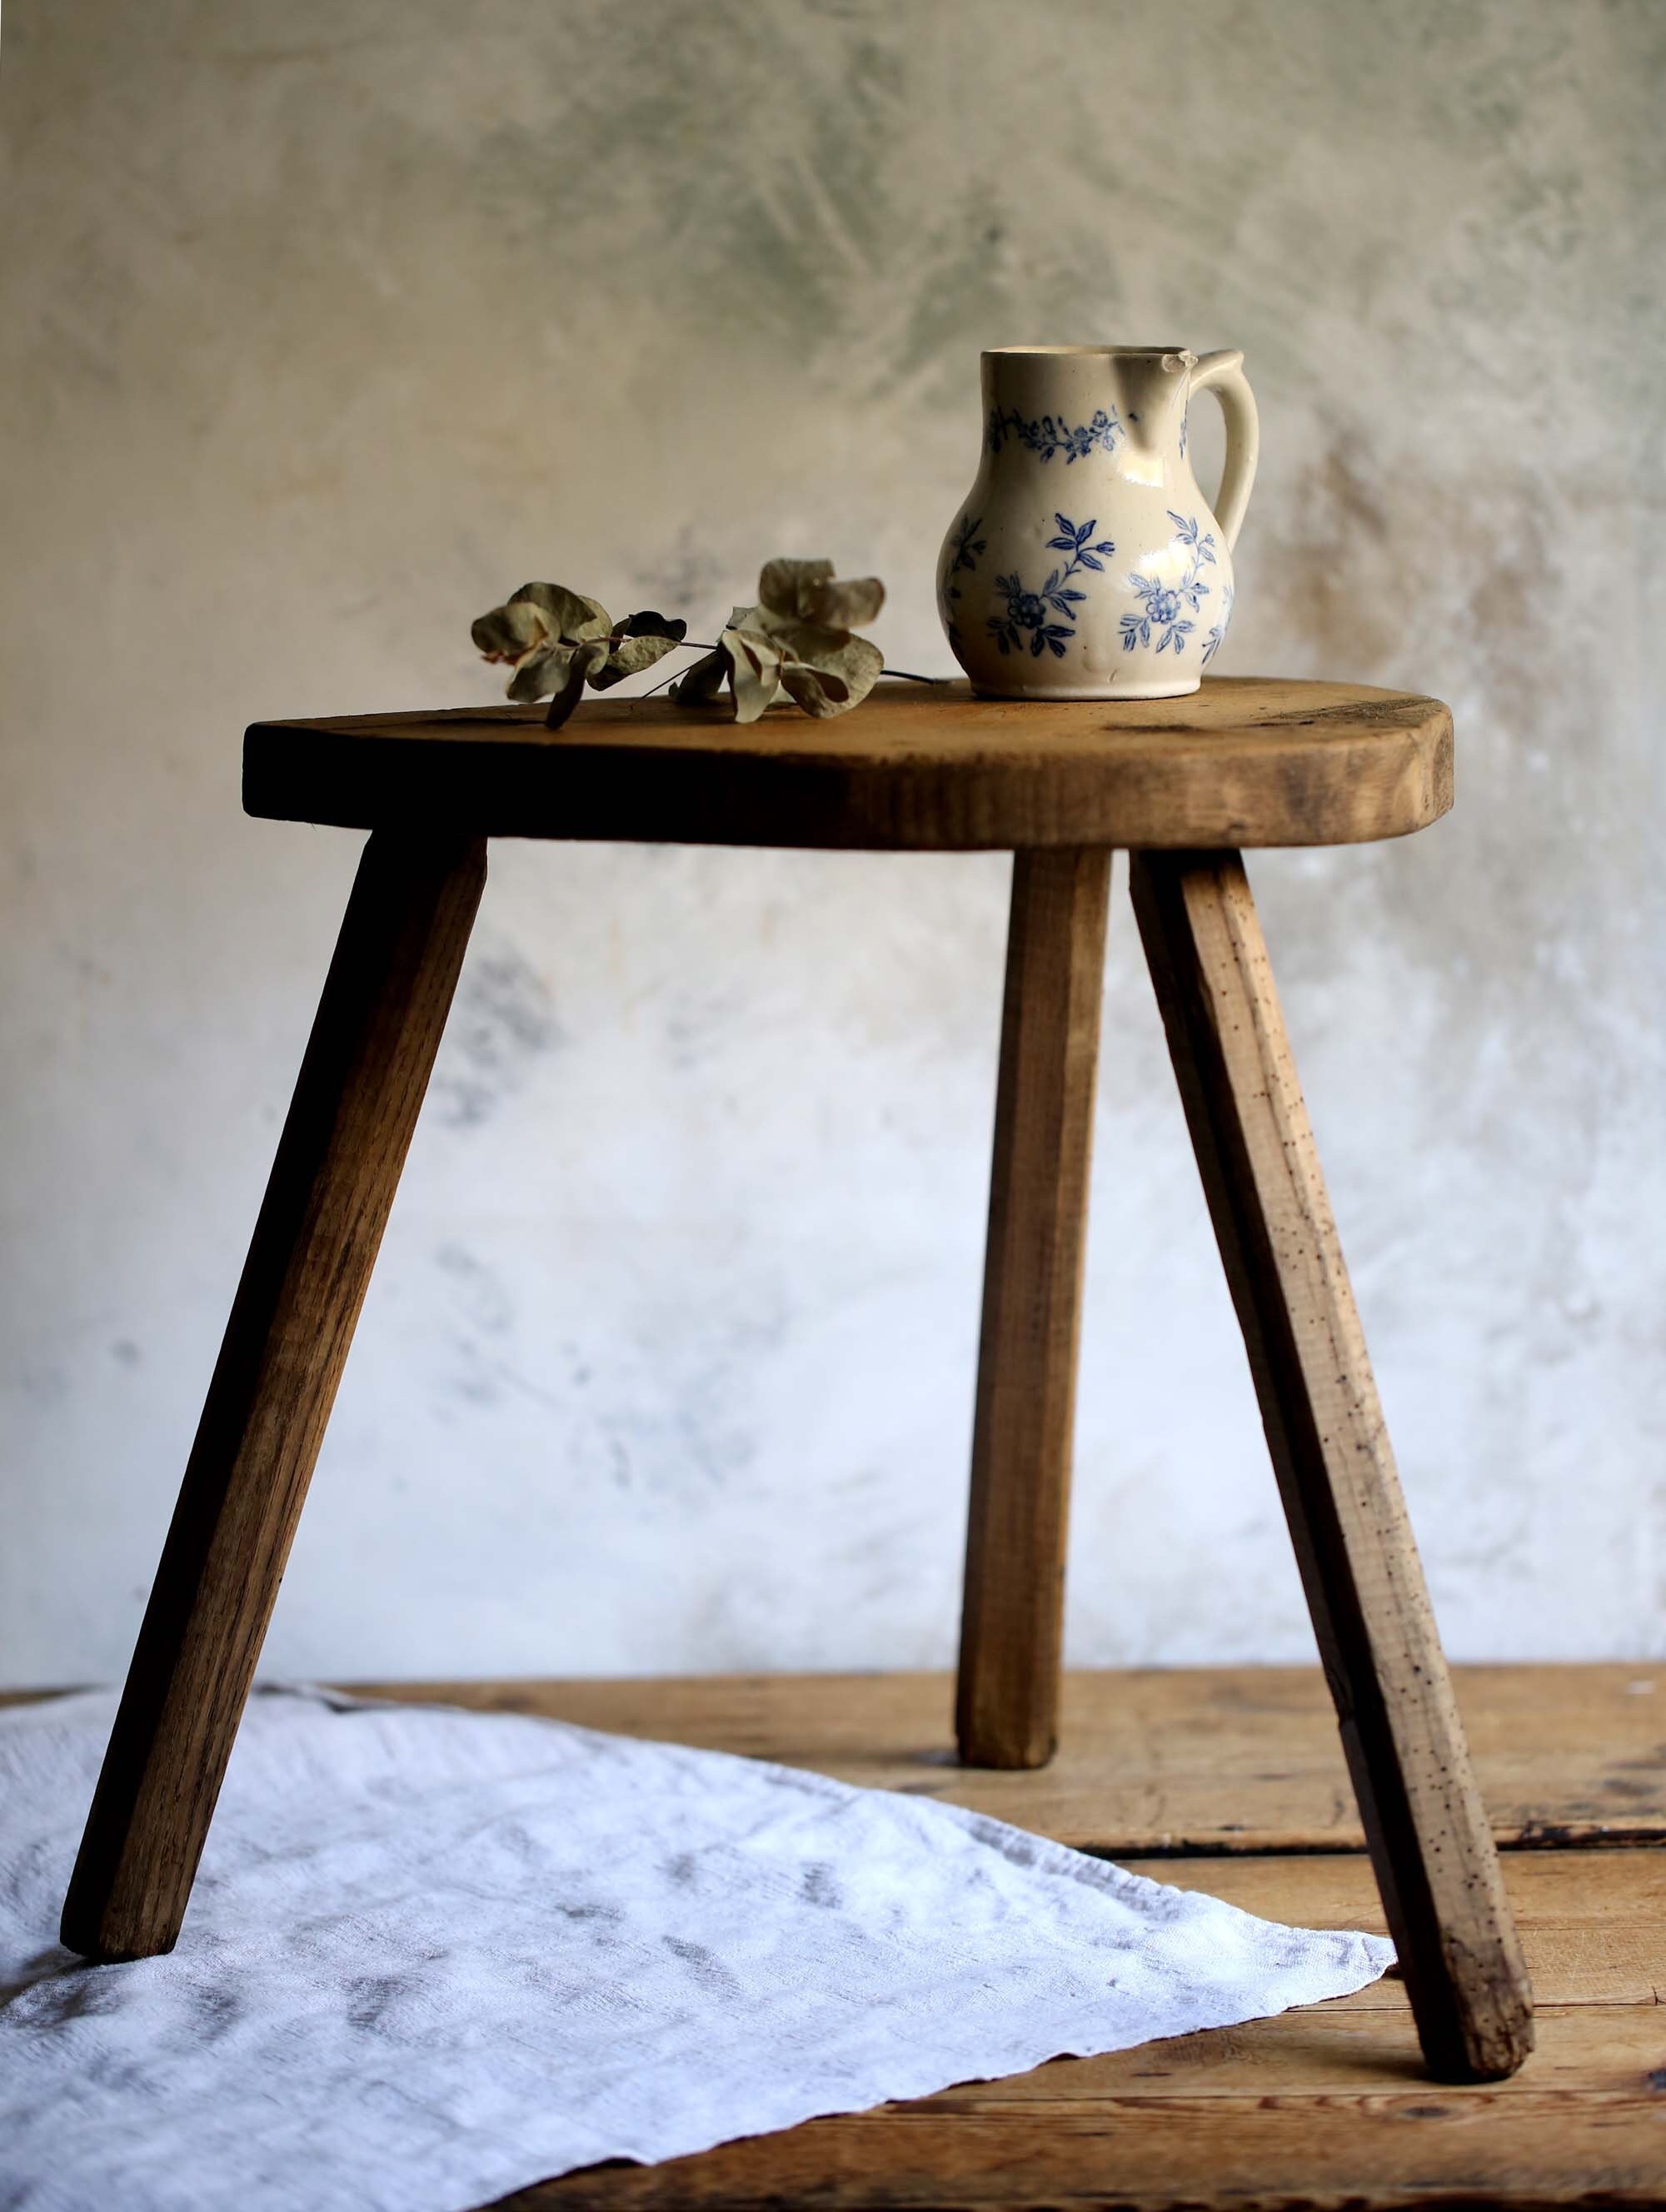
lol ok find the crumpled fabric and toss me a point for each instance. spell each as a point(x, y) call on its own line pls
point(432, 1956)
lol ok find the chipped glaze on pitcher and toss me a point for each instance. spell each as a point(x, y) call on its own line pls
point(1086, 563)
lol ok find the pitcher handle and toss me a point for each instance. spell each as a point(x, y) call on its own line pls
point(1223, 375)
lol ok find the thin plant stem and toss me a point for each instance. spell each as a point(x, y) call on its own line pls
point(694, 645)
point(664, 680)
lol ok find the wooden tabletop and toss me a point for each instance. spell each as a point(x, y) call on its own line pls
point(1247, 760)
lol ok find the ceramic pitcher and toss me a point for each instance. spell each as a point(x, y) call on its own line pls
point(1086, 563)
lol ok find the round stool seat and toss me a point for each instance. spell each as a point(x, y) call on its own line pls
point(1247, 760)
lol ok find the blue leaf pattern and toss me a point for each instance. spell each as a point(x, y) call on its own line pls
point(1025, 625)
point(1212, 644)
point(965, 546)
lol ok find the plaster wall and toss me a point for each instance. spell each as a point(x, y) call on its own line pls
point(321, 326)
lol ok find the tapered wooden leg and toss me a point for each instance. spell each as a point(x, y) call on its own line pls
point(1429, 1839)
point(333, 1183)
point(1007, 1701)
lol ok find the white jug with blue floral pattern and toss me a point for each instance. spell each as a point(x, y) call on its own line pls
point(1086, 563)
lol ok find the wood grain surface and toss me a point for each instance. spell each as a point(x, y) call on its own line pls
point(1246, 761)
point(1324, 2110)
point(1164, 1761)
point(1326, 2106)
point(1012, 1617)
point(332, 1183)
point(1422, 1814)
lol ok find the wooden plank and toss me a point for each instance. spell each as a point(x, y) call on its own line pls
point(333, 1183)
point(1151, 1760)
point(1420, 1807)
point(1592, 1923)
point(1013, 1620)
point(1339, 2050)
point(1246, 761)
point(1324, 2107)
point(1396, 2149)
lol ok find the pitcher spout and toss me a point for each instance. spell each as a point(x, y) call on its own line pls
point(1150, 387)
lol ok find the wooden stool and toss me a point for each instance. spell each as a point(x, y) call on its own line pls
point(1182, 784)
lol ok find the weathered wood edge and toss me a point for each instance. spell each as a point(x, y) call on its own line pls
point(1178, 793)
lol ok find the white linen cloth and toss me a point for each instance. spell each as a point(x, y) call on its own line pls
point(432, 1956)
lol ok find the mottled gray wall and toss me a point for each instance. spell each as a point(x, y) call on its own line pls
point(320, 324)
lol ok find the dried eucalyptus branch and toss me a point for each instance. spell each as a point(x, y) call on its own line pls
point(558, 640)
point(798, 639)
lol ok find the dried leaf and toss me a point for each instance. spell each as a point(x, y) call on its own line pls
point(568, 696)
point(782, 584)
point(827, 680)
point(538, 628)
point(754, 670)
point(649, 623)
point(629, 657)
point(508, 633)
point(647, 637)
point(844, 605)
point(806, 590)
point(699, 686)
point(570, 614)
point(817, 690)
point(542, 672)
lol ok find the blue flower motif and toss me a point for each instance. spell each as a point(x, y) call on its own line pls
point(1027, 611)
point(1100, 432)
point(1045, 437)
point(1025, 625)
point(1158, 617)
point(1160, 614)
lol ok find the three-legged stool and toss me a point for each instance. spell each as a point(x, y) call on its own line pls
point(1182, 784)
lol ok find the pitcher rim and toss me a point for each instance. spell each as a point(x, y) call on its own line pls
point(1155, 352)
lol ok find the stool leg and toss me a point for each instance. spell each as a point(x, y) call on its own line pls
point(333, 1183)
point(1007, 1700)
point(1427, 1833)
